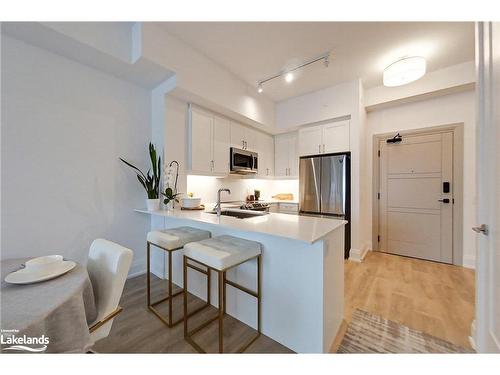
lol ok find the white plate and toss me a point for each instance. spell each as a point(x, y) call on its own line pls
point(191, 202)
point(38, 273)
point(44, 260)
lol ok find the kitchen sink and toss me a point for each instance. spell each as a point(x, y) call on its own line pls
point(240, 214)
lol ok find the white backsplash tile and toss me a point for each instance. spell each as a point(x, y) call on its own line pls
point(205, 187)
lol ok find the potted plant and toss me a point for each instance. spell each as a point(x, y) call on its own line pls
point(170, 197)
point(150, 182)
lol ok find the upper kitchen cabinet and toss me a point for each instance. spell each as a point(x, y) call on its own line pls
point(310, 140)
point(221, 136)
point(286, 155)
point(209, 143)
point(265, 150)
point(324, 139)
point(336, 137)
point(243, 137)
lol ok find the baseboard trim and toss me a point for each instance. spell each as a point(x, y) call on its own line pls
point(357, 255)
point(339, 337)
point(469, 262)
point(135, 274)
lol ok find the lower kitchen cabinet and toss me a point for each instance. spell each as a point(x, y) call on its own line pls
point(284, 208)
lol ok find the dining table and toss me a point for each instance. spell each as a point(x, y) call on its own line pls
point(60, 310)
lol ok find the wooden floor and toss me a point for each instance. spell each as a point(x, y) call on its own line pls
point(432, 297)
point(137, 330)
point(435, 298)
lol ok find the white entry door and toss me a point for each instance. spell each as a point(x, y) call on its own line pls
point(416, 197)
point(488, 170)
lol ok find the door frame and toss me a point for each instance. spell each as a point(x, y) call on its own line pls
point(458, 150)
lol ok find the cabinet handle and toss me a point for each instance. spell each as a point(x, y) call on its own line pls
point(319, 149)
point(323, 149)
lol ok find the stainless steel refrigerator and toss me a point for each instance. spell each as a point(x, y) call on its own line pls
point(324, 188)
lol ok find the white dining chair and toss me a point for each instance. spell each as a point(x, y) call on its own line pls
point(108, 267)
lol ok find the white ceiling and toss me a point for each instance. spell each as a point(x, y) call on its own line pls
point(256, 50)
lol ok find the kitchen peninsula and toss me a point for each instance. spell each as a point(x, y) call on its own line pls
point(302, 277)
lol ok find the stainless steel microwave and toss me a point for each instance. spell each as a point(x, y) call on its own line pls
point(243, 161)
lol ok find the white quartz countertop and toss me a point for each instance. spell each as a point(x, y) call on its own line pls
point(302, 228)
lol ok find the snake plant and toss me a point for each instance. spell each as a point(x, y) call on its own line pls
point(150, 182)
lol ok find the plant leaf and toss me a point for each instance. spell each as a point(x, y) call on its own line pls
point(132, 166)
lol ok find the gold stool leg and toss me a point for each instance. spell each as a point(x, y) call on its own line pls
point(221, 311)
point(149, 274)
point(259, 290)
point(170, 289)
point(224, 295)
point(185, 286)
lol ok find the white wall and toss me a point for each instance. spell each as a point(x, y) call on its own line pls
point(453, 76)
point(114, 38)
point(332, 102)
point(204, 81)
point(433, 112)
point(64, 125)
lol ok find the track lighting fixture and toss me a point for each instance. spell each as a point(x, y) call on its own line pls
point(288, 74)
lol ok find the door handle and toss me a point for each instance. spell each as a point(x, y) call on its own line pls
point(483, 228)
point(445, 200)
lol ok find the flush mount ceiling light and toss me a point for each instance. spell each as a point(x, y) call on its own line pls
point(288, 74)
point(404, 71)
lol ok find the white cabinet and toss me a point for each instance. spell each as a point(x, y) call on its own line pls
point(285, 155)
point(324, 139)
point(209, 143)
point(336, 137)
point(220, 136)
point(201, 145)
point(237, 135)
point(284, 208)
point(244, 137)
point(264, 146)
point(310, 140)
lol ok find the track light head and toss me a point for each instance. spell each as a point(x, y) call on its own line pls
point(327, 61)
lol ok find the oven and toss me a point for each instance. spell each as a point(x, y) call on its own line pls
point(243, 161)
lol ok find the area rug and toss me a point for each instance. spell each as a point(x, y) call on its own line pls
point(369, 333)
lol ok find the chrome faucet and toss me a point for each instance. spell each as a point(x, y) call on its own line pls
point(217, 205)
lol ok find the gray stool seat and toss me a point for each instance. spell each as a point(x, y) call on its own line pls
point(222, 252)
point(170, 239)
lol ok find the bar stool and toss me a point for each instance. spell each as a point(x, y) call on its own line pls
point(221, 254)
point(171, 240)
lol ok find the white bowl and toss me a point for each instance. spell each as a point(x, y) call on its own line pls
point(44, 260)
point(189, 202)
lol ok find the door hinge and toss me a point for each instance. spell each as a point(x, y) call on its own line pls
point(378, 153)
point(378, 195)
point(378, 238)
